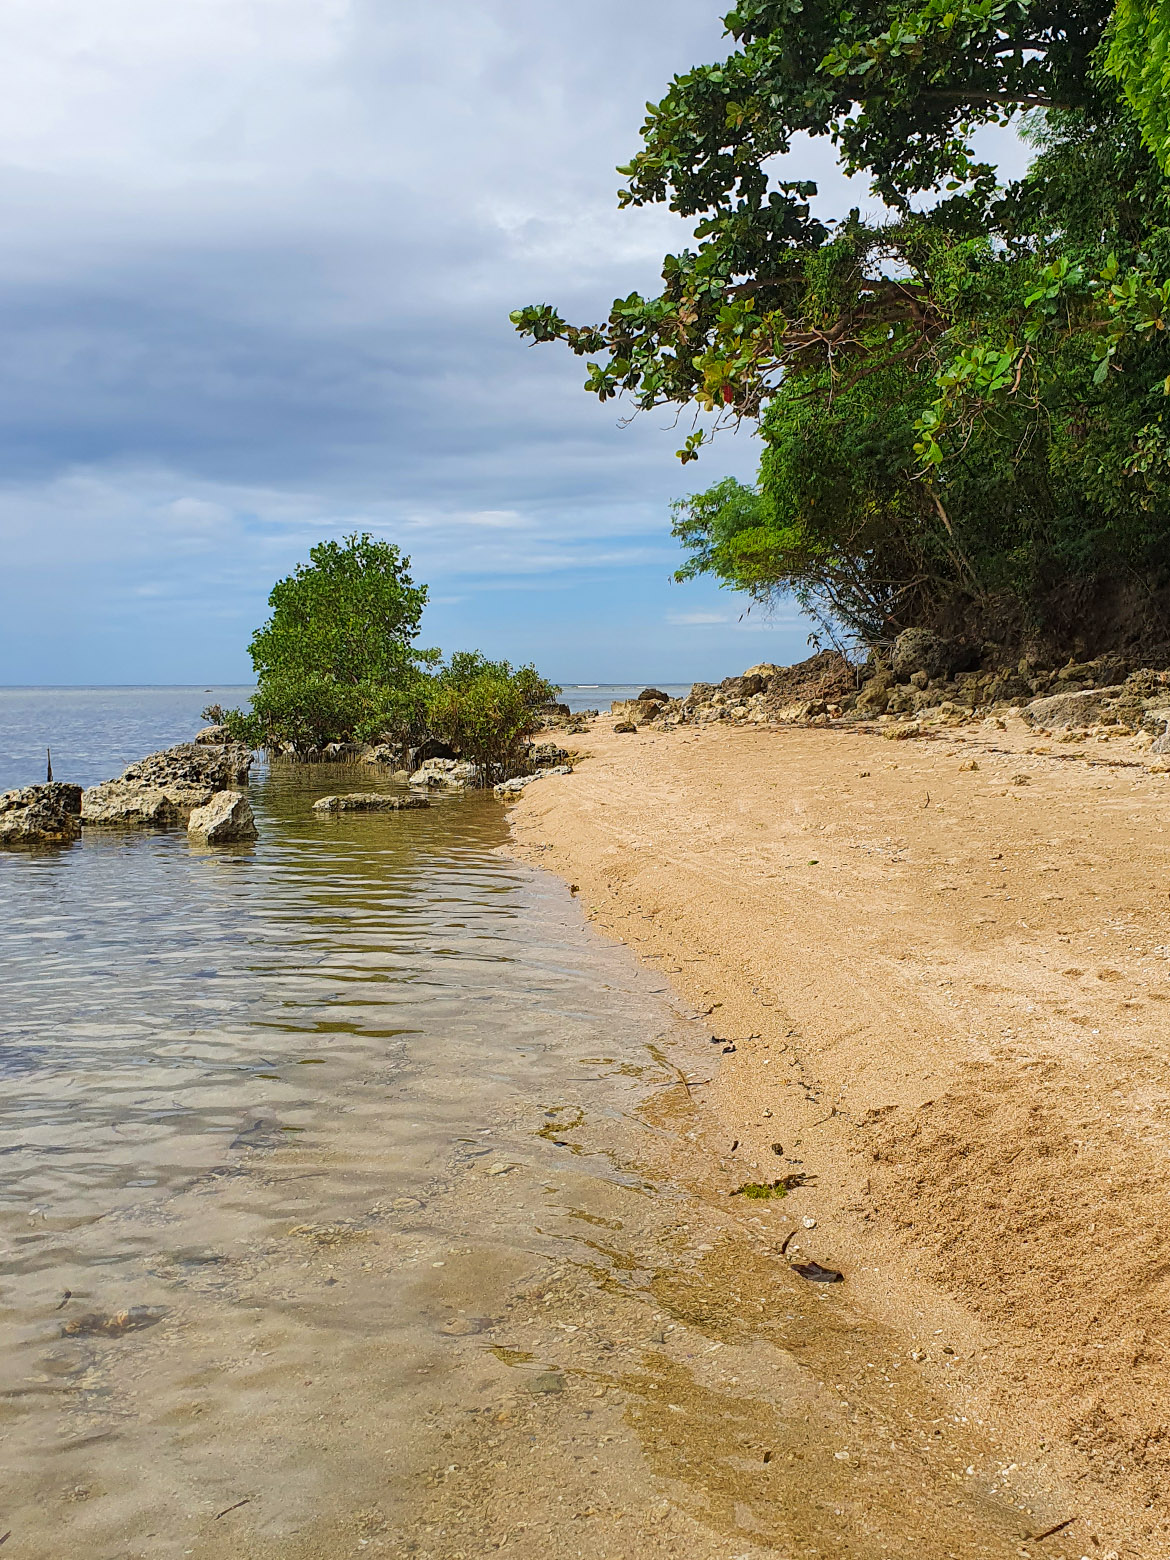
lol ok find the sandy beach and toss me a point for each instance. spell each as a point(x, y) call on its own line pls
point(936, 972)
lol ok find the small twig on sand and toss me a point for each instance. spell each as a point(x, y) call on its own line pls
point(1059, 1528)
point(787, 1238)
point(236, 1507)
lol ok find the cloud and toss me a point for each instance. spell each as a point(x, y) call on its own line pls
point(254, 290)
point(696, 619)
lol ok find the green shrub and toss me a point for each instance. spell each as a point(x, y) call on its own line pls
point(486, 710)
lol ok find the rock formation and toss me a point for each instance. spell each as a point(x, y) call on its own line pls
point(225, 820)
point(40, 815)
point(368, 801)
point(445, 774)
point(164, 789)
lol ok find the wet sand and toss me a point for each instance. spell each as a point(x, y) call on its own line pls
point(943, 966)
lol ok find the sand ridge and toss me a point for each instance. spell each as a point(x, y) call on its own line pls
point(944, 967)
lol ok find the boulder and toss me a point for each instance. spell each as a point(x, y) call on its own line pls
point(737, 688)
point(383, 753)
point(701, 693)
point(544, 754)
point(40, 815)
point(225, 820)
point(368, 801)
point(765, 669)
point(213, 736)
point(166, 788)
point(623, 727)
point(655, 694)
point(446, 774)
point(1069, 709)
point(920, 650)
point(517, 783)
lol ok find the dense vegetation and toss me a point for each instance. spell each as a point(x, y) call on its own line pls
point(962, 404)
point(337, 662)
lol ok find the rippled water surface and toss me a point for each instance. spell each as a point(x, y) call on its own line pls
point(343, 1211)
point(271, 1122)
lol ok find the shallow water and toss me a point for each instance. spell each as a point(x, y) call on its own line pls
point(353, 1201)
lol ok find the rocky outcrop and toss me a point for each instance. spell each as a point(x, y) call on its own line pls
point(368, 801)
point(1061, 710)
point(213, 736)
point(445, 774)
point(164, 789)
point(543, 755)
point(225, 820)
point(517, 783)
point(655, 695)
point(40, 815)
point(920, 650)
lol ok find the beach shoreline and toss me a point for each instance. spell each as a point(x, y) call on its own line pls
point(941, 965)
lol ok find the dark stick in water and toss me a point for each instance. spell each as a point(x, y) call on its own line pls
point(49, 759)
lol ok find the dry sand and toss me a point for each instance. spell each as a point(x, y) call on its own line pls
point(944, 967)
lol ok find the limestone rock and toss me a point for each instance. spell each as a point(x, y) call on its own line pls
point(545, 754)
point(1069, 709)
point(625, 726)
point(701, 693)
point(382, 753)
point(920, 650)
point(517, 783)
point(655, 695)
point(445, 774)
point(765, 669)
point(213, 736)
point(40, 815)
point(226, 819)
point(368, 801)
point(166, 788)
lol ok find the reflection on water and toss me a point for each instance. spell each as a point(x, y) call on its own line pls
point(341, 1214)
point(222, 1073)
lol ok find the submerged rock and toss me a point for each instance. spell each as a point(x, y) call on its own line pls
point(368, 801)
point(164, 789)
point(226, 818)
point(40, 815)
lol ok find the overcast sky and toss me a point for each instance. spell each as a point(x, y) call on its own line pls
point(255, 277)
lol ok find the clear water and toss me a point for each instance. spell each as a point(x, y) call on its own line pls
point(353, 1200)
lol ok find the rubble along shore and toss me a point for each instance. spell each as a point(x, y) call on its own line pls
point(944, 969)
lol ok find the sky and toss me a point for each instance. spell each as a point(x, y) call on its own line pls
point(255, 280)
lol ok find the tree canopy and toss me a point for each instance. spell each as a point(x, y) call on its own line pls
point(337, 662)
point(961, 402)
